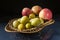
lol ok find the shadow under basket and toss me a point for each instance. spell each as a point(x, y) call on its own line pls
point(10, 28)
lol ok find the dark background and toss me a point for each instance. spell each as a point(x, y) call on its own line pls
point(12, 8)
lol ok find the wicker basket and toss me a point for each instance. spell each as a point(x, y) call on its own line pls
point(10, 28)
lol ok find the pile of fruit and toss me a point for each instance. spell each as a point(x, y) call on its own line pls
point(32, 17)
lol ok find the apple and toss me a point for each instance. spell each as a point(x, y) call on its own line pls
point(16, 23)
point(28, 25)
point(41, 21)
point(19, 19)
point(32, 16)
point(35, 22)
point(26, 11)
point(24, 20)
point(31, 20)
point(36, 9)
point(45, 14)
point(21, 27)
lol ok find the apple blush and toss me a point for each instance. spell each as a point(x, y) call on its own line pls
point(26, 11)
point(45, 14)
point(36, 9)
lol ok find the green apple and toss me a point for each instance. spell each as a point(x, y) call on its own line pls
point(24, 20)
point(28, 25)
point(41, 21)
point(19, 19)
point(21, 27)
point(35, 22)
point(15, 23)
point(31, 20)
point(32, 16)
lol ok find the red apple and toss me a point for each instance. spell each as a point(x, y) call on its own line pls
point(45, 14)
point(36, 9)
point(26, 11)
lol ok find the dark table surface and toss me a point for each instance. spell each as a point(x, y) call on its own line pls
point(18, 36)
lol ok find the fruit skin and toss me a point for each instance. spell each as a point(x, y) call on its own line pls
point(19, 19)
point(16, 23)
point(36, 9)
point(45, 14)
point(28, 25)
point(26, 11)
point(31, 16)
point(41, 21)
point(21, 27)
point(35, 21)
point(24, 20)
point(31, 20)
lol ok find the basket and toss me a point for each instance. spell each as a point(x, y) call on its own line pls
point(10, 28)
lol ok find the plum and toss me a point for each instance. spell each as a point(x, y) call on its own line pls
point(16, 23)
point(28, 25)
point(24, 20)
point(21, 27)
point(35, 22)
point(19, 19)
point(32, 16)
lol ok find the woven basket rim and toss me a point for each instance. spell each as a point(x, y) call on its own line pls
point(32, 30)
